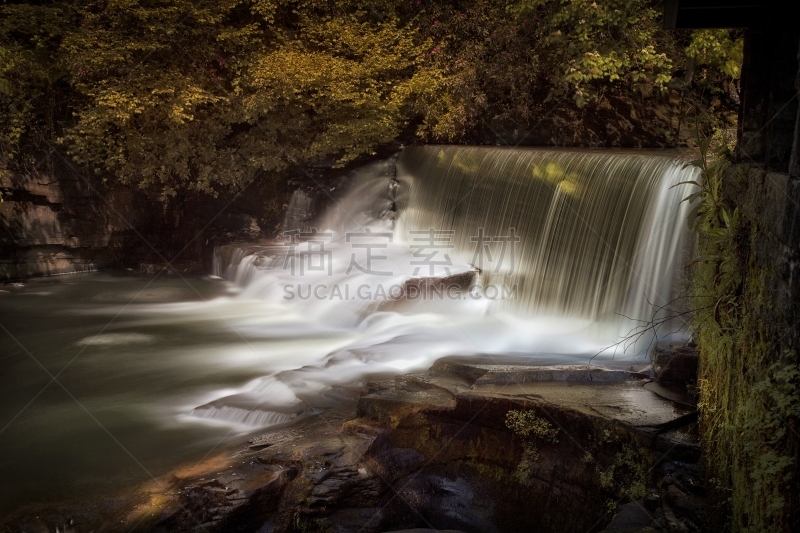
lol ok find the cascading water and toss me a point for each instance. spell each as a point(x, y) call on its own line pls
point(173, 367)
point(299, 212)
point(566, 251)
point(598, 233)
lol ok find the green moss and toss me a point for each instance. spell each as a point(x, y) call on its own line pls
point(534, 431)
point(627, 475)
point(529, 426)
point(620, 463)
point(749, 388)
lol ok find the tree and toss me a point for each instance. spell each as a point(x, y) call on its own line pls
point(193, 96)
point(180, 95)
point(590, 41)
point(508, 60)
point(31, 79)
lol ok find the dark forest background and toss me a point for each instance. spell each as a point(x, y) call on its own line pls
point(182, 97)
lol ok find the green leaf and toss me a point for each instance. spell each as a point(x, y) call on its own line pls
point(692, 197)
point(686, 183)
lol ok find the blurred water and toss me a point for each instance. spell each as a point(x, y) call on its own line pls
point(599, 237)
point(132, 375)
point(166, 370)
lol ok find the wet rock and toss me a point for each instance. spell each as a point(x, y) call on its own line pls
point(675, 366)
point(424, 289)
point(679, 445)
point(443, 501)
point(232, 502)
point(270, 439)
point(503, 374)
point(687, 505)
point(420, 530)
point(631, 517)
point(679, 505)
point(343, 485)
point(692, 477)
point(673, 393)
point(433, 450)
point(642, 371)
point(667, 467)
point(651, 501)
point(391, 405)
point(395, 463)
point(470, 373)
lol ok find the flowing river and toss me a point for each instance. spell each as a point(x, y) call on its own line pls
point(503, 255)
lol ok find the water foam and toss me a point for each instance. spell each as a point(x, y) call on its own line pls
point(600, 237)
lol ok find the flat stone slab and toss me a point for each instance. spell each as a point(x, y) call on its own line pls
point(628, 401)
point(671, 392)
point(426, 530)
point(595, 391)
point(614, 394)
point(394, 403)
point(500, 374)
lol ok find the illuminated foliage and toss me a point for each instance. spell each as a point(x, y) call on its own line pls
point(178, 95)
point(716, 49)
point(203, 97)
point(589, 41)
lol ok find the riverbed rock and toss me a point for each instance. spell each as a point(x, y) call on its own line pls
point(436, 450)
point(677, 365)
point(631, 517)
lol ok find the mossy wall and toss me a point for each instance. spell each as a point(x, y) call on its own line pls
point(745, 287)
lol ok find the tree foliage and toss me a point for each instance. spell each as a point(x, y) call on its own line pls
point(182, 96)
point(718, 50)
point(30, 76)
point(176, 94)
point(526, 62)
point(611, 40)
point(171, 95)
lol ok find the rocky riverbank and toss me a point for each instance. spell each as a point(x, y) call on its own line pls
point(463, 447)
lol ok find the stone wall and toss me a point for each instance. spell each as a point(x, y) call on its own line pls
point(750, 358)
point(769, 202)
point(58, 223)
point(52, 225)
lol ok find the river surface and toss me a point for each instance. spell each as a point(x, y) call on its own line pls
point(107, 380)
point(111, 418)
point(152, 373)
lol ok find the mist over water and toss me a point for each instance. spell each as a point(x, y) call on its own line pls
point(567, 251)
point(173, 367)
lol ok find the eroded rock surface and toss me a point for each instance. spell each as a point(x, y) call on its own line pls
point(436, 450)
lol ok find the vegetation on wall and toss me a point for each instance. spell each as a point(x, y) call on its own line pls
point(749, 388)
point(534, 431)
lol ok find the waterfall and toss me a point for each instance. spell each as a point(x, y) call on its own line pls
point(552, 255)
point(299, 212)
point(598, 232)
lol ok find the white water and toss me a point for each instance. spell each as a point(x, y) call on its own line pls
point(578, 271)
point(170, 368)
